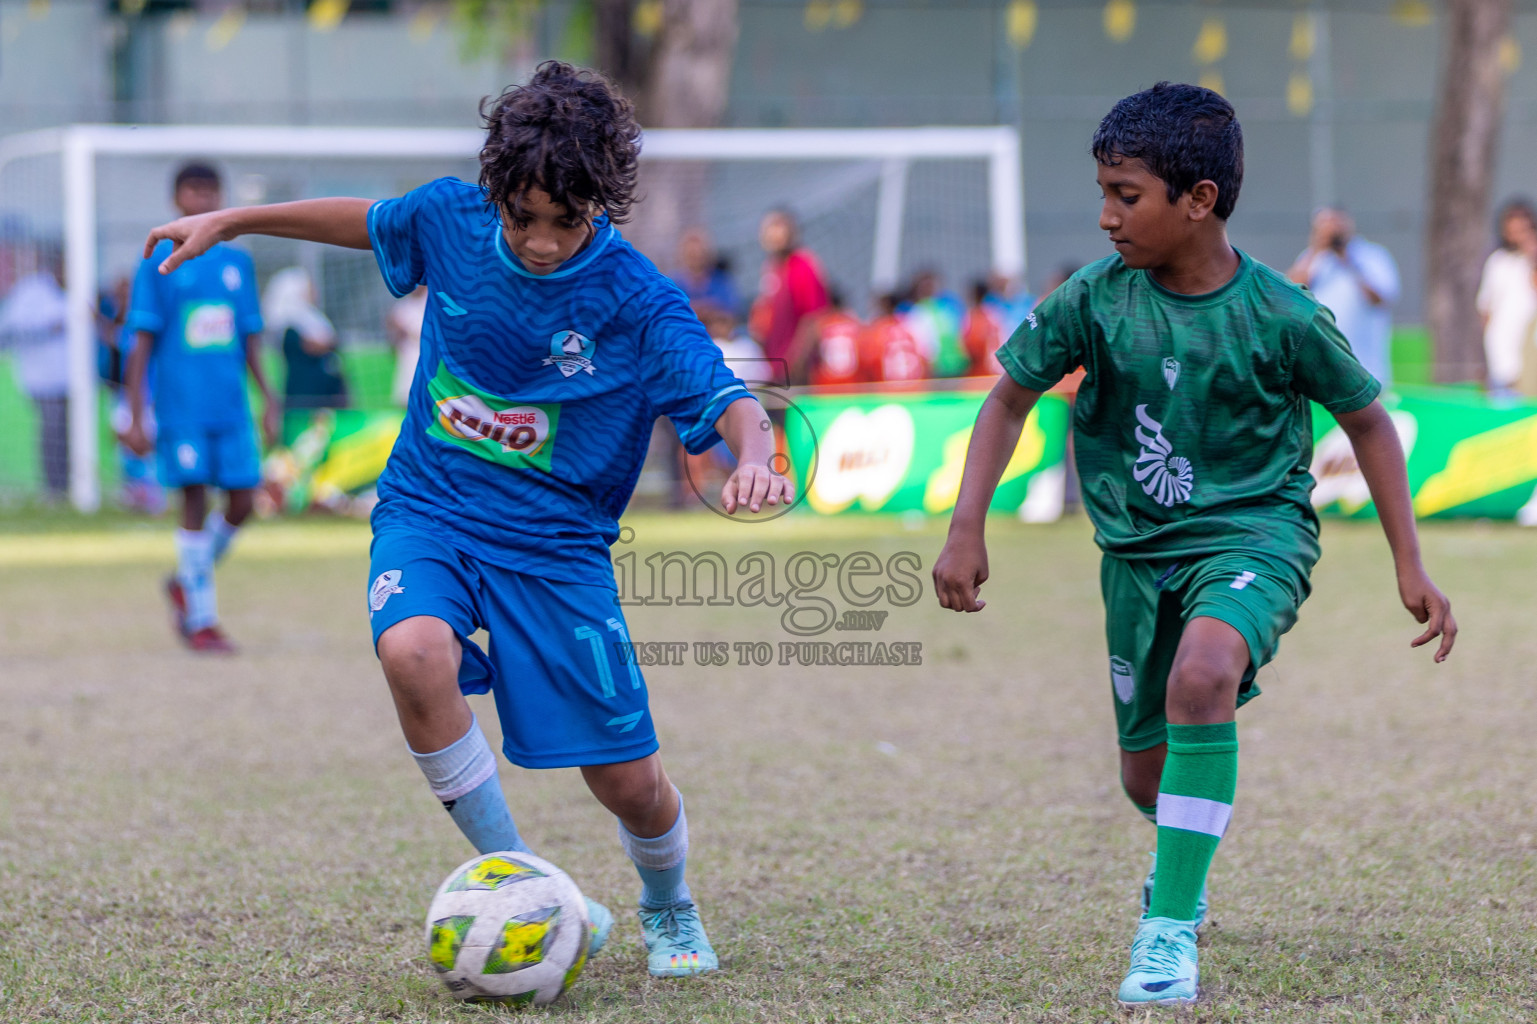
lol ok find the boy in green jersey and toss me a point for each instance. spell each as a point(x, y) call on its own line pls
point(1193, 434)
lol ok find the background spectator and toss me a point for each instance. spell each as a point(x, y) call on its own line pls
point(314, 378)
point(403, 327)
point(1507, 295)
point(827, 345)
point(792, 286)
point(982, 333)
point(32, 323)
point(1357, 280)
point(934, 316)
point(1009, 301)
point(891, 352)
point(704, 274)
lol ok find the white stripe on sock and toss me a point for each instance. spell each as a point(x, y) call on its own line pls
point(1193, 814)
point(459, 767)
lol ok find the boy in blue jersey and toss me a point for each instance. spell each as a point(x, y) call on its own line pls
point(549, 348)
point(200, 328)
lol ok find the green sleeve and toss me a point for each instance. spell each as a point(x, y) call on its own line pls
point(1326, 371)
point(1050, 343)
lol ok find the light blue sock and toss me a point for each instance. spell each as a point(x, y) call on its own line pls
point(194, 571)
point(463, 776)
point(222, 532)
point(660, 862)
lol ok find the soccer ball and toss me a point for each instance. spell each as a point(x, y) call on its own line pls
point(508, 928)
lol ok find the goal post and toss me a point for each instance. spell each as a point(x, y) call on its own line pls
point(876, 168)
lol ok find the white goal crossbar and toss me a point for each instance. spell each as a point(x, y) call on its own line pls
point(78, 146)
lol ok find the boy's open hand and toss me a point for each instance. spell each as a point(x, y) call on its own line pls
point(136, 440)
point(1428, 605)
point(959, 572)
point(753, 485)
point(190, 237)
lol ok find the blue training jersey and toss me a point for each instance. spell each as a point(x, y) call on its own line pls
point(200, 315)
point(531, 410)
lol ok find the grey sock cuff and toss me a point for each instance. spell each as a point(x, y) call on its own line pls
point(459, 767)
point(667, 850)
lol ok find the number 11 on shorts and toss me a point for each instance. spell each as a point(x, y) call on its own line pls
point(600, 657)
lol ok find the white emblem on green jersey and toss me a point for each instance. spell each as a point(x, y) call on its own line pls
point(1165, 477)
point(1171, 371)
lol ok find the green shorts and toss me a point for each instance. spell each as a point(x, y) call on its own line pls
point(1147, 604)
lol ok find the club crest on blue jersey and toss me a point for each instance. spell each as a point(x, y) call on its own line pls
point(570, 352)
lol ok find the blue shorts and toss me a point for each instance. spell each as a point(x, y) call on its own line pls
point(566, 693)
point(222, 456)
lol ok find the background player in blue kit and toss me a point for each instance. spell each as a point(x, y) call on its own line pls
point(548, 349)
point(200, 330)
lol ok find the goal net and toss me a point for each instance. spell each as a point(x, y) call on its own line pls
point(875, 205)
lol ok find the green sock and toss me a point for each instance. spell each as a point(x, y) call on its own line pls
point(1195, 801)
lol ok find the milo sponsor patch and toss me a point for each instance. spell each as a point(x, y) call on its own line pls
point(209, 325)
point(497, 429)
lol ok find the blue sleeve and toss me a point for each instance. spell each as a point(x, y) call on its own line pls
point(683, 373)
point(394, 229)
point(248, 307)
point(145, 310)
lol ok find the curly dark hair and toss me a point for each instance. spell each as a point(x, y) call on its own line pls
point(1184, 133)
point(568, 132)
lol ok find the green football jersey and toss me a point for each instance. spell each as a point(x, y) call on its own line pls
point(1193, 429)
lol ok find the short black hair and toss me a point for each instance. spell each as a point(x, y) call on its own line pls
point(568, 132)
point(196, 171)
point(1183, 133)
point(1515, 206)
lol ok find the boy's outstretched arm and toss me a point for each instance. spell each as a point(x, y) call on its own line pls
point(1381, 459)
point(961, 568)
point(746, 429)
point(337, 221)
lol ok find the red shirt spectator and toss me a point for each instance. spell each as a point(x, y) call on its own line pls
point(982, 334)
point(889, 350)
point(791, 289)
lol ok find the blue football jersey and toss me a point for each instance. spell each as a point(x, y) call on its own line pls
point(200, 315)
point(534, 397)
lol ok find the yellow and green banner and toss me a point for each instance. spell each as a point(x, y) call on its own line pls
point(904, 452)
point(1468, 455)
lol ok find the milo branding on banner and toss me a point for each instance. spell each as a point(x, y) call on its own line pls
point(497, 429)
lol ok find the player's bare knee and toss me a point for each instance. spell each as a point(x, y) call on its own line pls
point(630, 791)
point(414, 653)
point(1201, 686)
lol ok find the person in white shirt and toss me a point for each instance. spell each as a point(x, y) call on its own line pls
point(403, 326)
point(32, 325)
point(1357, 280)
point(1507, 295)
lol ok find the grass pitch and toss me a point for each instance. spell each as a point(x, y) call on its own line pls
point(247, 839)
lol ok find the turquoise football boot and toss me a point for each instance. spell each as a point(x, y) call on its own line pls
point(1164, 965)
point(676, 945)
point(1201, 904)
point(601, 921)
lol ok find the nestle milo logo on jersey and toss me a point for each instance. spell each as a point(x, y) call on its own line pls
point(500, 430)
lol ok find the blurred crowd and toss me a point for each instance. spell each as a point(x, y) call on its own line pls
point(799, 329)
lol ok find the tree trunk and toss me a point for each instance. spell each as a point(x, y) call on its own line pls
point(1467, 127)
point(690, 75)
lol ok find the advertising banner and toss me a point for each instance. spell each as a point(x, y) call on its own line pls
point(904, 452)
point(332, 459)
point(1468, 455)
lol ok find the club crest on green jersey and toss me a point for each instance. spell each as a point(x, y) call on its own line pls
point(1171, 371)
point(500, 430)
point(571, 352)
point(1165, 477)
